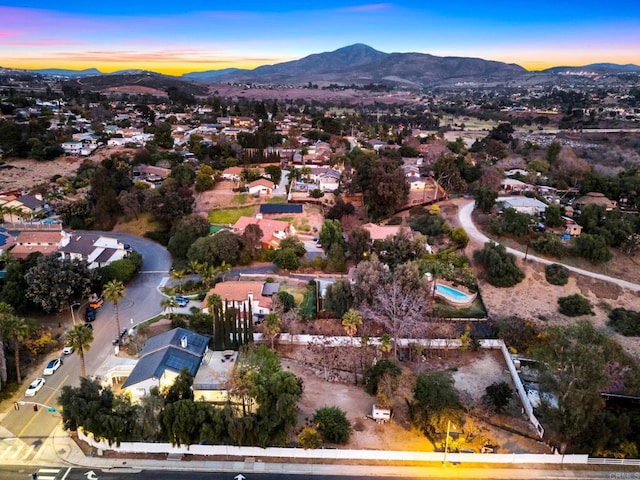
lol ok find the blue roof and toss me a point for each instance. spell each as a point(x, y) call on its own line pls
point(280, 208)
point(173, 350)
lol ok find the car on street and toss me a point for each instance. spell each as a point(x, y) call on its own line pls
point(88, 325)
point(67, 350)
point(90, 314)
point(52, 366)
point(96, 301)
point(181, 301)
point(35, 387)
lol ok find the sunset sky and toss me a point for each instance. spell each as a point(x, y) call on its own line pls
point(197, 35)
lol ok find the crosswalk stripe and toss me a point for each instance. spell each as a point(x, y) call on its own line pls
point(46, 477)
point(49, 470)
point(17, 452)
point(30, 452)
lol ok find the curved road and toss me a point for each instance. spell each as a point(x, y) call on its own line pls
point(464, 215)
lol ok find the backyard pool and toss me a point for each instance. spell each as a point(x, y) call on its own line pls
point(453, 296)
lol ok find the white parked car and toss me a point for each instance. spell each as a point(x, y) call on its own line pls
point(35, 387)
point(67, 350)
point(52, 366)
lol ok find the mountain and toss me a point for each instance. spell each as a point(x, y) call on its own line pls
point(360, 64)
point(210, 75)
point(601, 68)
point(62, 72)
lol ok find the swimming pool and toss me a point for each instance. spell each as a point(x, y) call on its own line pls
point(453, 296)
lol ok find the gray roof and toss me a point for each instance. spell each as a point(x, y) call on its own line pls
point(106, 254)
point(165, 352)
point(31, 202)
point(270, 289)
point(82, 244)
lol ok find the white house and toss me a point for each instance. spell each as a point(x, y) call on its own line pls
point(96, 250)
point(262, 186)
point(241, 295)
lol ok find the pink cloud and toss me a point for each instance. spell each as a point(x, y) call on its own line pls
point(372, 7)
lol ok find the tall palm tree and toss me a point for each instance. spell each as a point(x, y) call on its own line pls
point(80, 338)
point(179, 275)
point(168, 304)
point(350, 321)
point(17, 329)
point(114, 291)
point(272, 326)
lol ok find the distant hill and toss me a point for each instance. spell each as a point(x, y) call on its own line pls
point(61, 72)
point(601, 68)
point(134, 81)
point(360, 64)
point(210, 75)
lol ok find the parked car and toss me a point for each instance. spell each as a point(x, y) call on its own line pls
point(52, 366)
point(35, 387)
point(181, 301)
point(96, 300)
point(88, 325)
point(67, 350)
point(90, 314)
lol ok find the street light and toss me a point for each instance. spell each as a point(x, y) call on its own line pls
point(73, 316)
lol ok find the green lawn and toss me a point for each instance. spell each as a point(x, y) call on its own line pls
point(229, 216)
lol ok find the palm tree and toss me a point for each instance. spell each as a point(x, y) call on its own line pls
point(350, 321)
point(272, 326)
point(194, 266)
point(80, 338)
point(177, 276)
point(114, 291)
point(168, 304)
point(223, 269)
point(14, 328)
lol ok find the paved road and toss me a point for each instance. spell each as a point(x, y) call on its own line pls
point(320, 472)
point(464, 215)
point(23, 432)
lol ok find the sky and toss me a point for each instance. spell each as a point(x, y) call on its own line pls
point(178, 37)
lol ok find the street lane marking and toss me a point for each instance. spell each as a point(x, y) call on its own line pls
point(66, 473)
point(33, 417)
point(49, 470)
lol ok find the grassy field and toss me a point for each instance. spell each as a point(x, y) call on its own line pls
point(229, 216)
point(138, 226)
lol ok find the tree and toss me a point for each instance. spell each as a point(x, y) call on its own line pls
point(330, 234)
point(556, 274)
point(435, 403)
point(55, 283)
point(351, 320)
point(338, 297)
point(485, 198)
point(359, 243)
point(459, 236)
point(286, 259)
point(272, 326)
point(553, 215)
point(80, 338)
point(114, 291)
point(549, 244)
point(592, 247)
point(185, 232)
point(181, 387)
point(15, 329)
point(213, 250)
point(168, 304)
point(498, 395)
point(500, 266)
point(333, 425)
point(285, 300)
point(252, 240)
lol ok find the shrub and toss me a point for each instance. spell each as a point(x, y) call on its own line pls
point(549, 244)
point(459, 237)
point(574, 306)
point(500, 265)
point(332, 424)
point(309, 438)
point(377, 371)
point(625, 322)
point(556, 274)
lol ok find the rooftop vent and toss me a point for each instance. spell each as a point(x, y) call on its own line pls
point(183, 342)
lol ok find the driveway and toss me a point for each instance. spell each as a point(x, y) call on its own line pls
point(464, 216)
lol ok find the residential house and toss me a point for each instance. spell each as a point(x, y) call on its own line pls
point(96, 250)
point(162, 358)
point(32, 241)
point(71, 148)
point(211, 383)
point(595, 198)
point(531, 206)
point(511, 185)
point(327, 179)
point(241, 295)
point(262, 186)
point(571, 227)
point(232, 174)
point(382, 232)
point(273, 231)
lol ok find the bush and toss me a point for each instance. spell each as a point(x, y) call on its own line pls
point(549, 244)
point(332, 424)
point(459, 237)
point(500, 265)
point(309, 438)
point(556, 274)
point(625, 322)
point(574, 306)
point(377, 371)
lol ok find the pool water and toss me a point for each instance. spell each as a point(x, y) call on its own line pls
point(452, 292)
